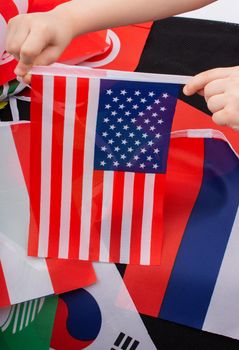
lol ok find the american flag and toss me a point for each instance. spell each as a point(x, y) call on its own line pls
point(99, 151)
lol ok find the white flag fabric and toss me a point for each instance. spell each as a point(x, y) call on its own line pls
point(102, 316)
point(117, 320)
point(21, 277)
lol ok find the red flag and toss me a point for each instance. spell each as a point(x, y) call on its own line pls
point(23, 278)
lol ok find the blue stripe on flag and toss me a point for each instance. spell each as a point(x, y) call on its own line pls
point(205, 239)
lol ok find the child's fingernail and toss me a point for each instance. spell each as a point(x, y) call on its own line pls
point(17, 71)
point(19, 79)
point(187, 90)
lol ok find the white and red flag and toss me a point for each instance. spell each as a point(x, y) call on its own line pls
point(80, 49)
point(99, 145)
point(25, 278)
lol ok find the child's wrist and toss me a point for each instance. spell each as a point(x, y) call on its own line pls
point(69, 14)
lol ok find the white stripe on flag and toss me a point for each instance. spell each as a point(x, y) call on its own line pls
point(23, 315)
point(89, 147)
point(127, 217)
point(16, 319)
point(147, 219)
point(106, 215)
point(34, 310)
point(28, 313)
point(47, 112)
point(67, 159)
point(223, 311)
point(14, 109)
point(40, 304)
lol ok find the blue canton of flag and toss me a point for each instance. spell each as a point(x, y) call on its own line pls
point(133, 126)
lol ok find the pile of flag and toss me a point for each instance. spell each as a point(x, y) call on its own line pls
point(118, 200)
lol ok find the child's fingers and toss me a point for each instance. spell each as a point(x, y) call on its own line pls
point(215, 87)
point(30, 50)
point(22, 69)
point(198, 82)
point(216, 103)
point(27, 79)
point(49, 55)
point(220, 117)
point(14, 40)
point(227, 116)
point(32, 46)
point(201, 92)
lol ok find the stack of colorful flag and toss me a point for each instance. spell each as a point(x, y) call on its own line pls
point(118, 200)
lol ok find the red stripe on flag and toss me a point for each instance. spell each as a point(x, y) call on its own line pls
point(116, 219)
point(77, 167)
point(4, 296)
point(56, 164)
point(157, 219)
point(96, 214)
point(184, 177)
point(69, 274)
point(35, 164)
point(137, 217)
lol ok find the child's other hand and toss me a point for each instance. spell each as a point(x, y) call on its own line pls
point(37, 39)
point(220, 87)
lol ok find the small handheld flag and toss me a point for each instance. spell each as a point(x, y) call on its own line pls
point(99, 145)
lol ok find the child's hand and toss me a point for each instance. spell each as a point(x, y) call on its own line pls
point(37, 39)
point(220, 87)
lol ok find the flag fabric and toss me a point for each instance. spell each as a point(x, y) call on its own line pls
point(28, 325)
point(200, 123)
point(159, 56)
point(121, 55)
point(101, 155)
point(91, 318)
point(197, 282)
point(23, 278)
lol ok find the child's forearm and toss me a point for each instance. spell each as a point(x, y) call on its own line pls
point(91, 15)
point(40, 38)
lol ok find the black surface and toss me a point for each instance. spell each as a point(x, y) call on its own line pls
point(168, 335)
point(189, 46)
point(23, 108)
